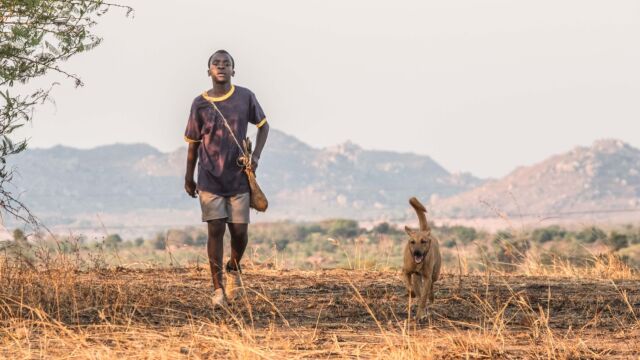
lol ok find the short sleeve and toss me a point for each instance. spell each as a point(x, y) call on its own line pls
point(256, 115)
point(193, 132)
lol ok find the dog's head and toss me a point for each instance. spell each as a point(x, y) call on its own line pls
point(419, 243)
point(419, 240)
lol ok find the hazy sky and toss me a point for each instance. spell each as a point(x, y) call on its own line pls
point(480, 86)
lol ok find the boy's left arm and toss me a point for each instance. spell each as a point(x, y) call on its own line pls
point(261, 139)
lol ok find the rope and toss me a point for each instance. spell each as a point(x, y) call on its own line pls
point(226, 124)
point(245, 159)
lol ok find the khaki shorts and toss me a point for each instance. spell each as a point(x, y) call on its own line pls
point(234, 208)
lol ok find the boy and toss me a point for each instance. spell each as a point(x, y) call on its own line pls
point(222, 187)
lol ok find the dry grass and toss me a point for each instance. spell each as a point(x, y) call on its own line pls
point(56, 310)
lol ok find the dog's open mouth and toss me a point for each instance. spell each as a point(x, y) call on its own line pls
point(418, 258)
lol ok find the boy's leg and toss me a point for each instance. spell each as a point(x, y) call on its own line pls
point(239, 239)
point(238, 210)
point(215, 250)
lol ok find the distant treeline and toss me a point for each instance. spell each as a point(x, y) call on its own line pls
point(330, 238)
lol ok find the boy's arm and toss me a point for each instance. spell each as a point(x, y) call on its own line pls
point(192, 158)
point(261, 139)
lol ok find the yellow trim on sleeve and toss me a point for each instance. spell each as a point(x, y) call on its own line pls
point(221, 98)
point(261, 123)
point(191, 140)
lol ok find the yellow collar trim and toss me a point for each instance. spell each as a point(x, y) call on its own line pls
point(221, 98)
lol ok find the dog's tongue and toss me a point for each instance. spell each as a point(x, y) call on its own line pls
point(418, 259)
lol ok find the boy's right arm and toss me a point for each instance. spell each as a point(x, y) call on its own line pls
point(192, 159)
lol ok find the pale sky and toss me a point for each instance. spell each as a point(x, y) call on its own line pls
point(480, 86)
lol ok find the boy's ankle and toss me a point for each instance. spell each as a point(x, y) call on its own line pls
point(229, 267)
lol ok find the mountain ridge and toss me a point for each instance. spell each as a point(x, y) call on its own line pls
point(137, 181)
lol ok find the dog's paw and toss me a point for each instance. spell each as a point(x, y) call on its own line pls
point(421, 315)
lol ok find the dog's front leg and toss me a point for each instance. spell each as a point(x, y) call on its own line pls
point(406, 277)
point(417, 284)
point(424, 295)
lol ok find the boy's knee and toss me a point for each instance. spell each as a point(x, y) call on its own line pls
point(216, 226)
point(239, 230)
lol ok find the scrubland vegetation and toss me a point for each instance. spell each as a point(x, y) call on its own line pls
point(323, 290)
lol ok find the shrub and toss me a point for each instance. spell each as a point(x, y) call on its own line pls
point(617, 241)
point(138, 242)
point(201, 239)
point(547, 234)
point(112, 241)
point(342, 228)
point(159, 242)
point(510, 249)
point(464, 234)
point(590, 235)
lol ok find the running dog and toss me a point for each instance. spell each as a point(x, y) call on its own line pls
point(421, 267)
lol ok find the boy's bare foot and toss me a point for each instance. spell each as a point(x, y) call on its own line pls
point(219, 298)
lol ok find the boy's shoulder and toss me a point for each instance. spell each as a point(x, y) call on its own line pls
point(243, 91)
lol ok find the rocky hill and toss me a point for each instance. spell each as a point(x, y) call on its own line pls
point(601, 178)
point(135, 182)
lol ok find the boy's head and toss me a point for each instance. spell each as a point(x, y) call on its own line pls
point(221, 66)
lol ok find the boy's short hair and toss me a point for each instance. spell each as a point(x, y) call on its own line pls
point(221, 51)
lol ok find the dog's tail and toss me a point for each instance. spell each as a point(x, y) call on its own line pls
point(421, 211)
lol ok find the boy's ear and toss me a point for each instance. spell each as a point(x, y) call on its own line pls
point(233, 73)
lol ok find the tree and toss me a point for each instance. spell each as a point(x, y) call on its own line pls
point(36, 36)
point(18, 235)
point(138, 241)
point(159, 243)
point(112, 241)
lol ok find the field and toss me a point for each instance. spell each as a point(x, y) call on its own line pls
point(61, 311)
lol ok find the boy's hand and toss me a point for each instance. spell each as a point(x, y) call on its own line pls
point(190, 187)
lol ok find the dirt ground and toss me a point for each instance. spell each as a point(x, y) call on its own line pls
point(350, 314)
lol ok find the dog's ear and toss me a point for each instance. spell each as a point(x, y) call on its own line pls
point(409, 231)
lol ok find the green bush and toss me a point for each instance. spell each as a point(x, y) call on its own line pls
point(617, 241)
point(112, 241)
point(547, 234)
point(138, 242)
point(159, 242)
point(510, 249)
point(342, 228)
point(590, 235)
point(201, 239)
point(464, 234)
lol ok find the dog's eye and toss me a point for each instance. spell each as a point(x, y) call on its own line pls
point(413, 241)
point(423, 241)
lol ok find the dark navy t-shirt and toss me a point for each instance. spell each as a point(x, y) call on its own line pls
point(218, 171)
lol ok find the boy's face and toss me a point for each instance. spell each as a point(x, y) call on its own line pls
point(221, 69)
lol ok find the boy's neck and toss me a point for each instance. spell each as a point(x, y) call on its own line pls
point(219, 89)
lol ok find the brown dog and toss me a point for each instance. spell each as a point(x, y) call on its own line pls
point(422, 260)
